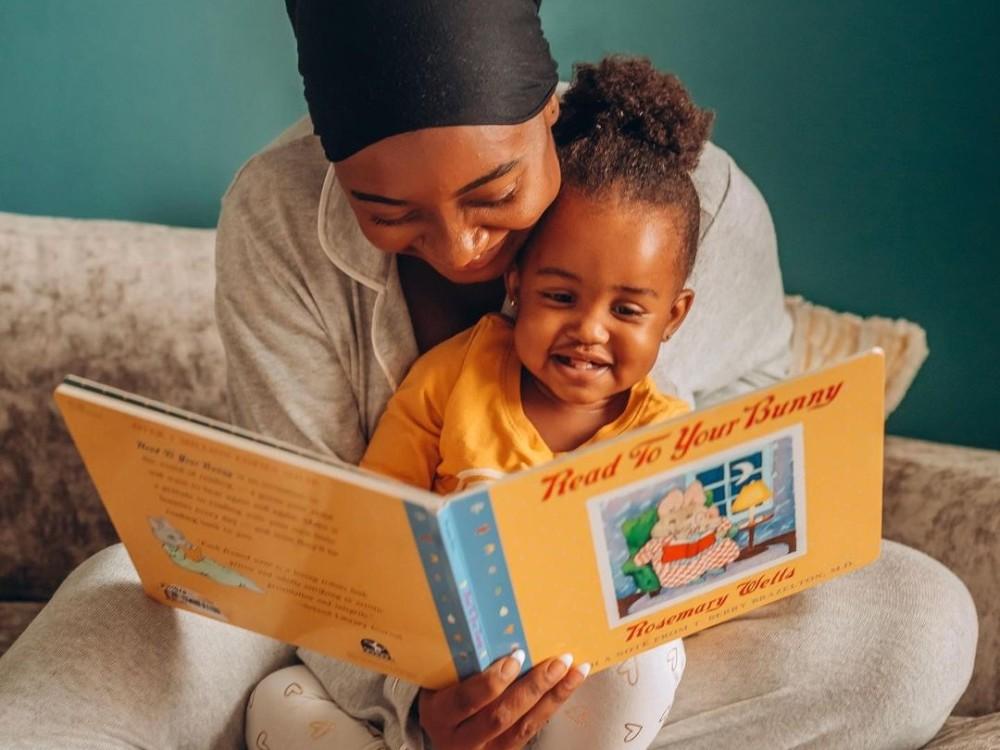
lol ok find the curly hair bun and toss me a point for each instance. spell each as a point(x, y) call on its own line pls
point(629, 130)
point(627, 99)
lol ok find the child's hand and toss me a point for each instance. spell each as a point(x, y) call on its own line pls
point(490, 711)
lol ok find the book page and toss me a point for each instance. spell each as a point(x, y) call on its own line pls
point(273, 543)
point(684, 525)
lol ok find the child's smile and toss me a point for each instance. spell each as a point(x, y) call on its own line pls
point(584, 364)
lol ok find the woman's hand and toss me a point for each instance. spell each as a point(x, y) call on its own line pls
point(490, 711)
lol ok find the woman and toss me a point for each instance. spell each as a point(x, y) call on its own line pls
point(332, 279)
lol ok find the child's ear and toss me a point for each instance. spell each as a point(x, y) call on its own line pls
point(512, 282)
point(678, 311)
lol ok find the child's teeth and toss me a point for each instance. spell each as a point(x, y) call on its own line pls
point(579, 364)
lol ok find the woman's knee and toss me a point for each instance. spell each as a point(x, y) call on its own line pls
point(929, 650)
point(934, 606)
point(900, 643)
point(877, 658)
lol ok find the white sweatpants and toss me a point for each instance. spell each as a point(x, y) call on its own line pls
point(620, 708)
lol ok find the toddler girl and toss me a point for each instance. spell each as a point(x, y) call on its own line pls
point(598, 287)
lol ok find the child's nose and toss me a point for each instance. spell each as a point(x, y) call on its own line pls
point(590, 328)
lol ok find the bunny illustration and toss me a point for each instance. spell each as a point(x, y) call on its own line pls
point(190, 557)
point(174, 541)
point(690, 539)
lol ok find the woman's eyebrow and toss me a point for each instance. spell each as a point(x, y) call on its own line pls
point(494, 174)
point(375, 198)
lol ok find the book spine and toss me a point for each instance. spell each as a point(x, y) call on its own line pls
point(444, 568)
point(482, 578)
point(476, 656)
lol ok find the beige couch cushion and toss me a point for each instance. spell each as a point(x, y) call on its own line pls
point(821, 336)
point(128, 304)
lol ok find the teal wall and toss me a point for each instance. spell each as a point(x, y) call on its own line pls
point(872, 132)
point(138, 109)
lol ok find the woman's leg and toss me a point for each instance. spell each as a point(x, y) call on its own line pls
point(289, 710)
point(103, 665)
point(875, 659)
point(620, 708)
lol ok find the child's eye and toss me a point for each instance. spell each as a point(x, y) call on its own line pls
point(628, 311)
point(561, 298)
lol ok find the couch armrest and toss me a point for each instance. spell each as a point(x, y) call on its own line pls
point(105, 666)
point(945, 500)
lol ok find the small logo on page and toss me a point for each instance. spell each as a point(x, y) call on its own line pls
point(375, 648)
point(192, 599)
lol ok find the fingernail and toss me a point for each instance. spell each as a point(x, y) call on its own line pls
point(512, 665)
point(583, 669)
point(559, 666)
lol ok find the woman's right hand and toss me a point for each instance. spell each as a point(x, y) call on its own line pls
point(494, 710)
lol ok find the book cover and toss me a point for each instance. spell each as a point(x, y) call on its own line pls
point(604, 552)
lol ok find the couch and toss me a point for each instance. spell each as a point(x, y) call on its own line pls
point(131, 305)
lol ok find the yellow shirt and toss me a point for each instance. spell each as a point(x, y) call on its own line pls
point(457, 419)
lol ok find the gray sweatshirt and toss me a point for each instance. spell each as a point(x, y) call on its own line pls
point(318, 336)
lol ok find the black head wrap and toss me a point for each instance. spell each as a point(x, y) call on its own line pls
point(376, 68)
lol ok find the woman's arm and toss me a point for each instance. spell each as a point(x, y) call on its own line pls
point(737, 336)
point(284, 376)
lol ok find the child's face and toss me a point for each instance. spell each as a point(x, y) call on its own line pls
point(598, 290)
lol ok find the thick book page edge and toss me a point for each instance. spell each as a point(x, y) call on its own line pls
point(214, 430)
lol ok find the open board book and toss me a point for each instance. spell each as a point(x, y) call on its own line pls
point(603, 552)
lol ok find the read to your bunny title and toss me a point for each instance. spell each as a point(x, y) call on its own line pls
point(768, 409)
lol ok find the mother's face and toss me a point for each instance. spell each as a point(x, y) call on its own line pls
point(460, 198)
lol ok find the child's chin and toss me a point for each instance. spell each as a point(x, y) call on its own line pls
point(582, 397)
